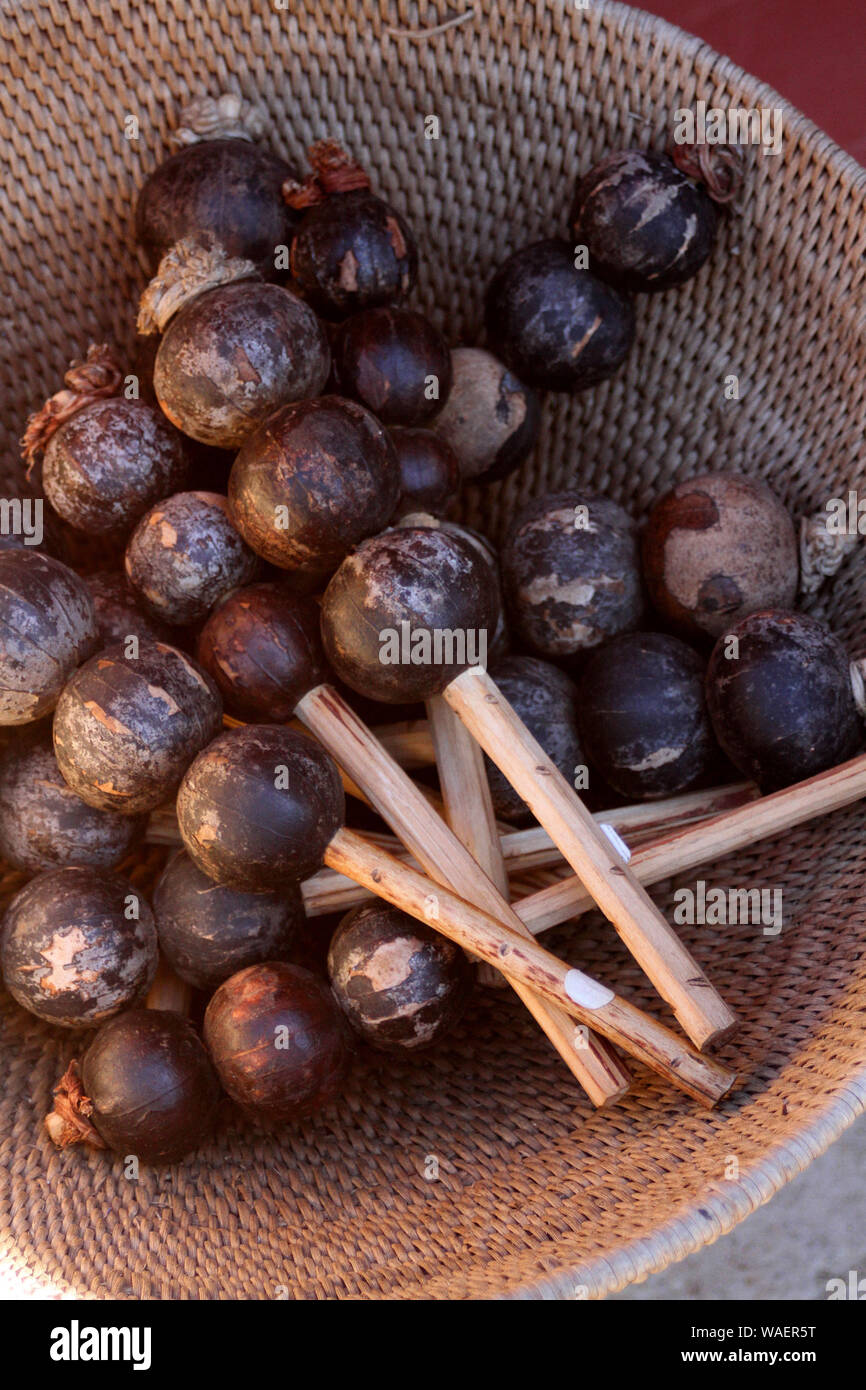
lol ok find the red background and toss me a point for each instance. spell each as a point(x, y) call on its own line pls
point(812, 51)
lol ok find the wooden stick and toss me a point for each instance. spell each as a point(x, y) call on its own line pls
point(468, 803)
point(168, 990)
point(702, 1012)
point(578, 995)
point(736, 829)
point(442, 855)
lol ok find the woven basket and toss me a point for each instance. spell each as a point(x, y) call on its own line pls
point(536, 1195)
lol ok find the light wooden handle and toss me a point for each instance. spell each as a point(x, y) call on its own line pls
point(581, 997)
point(699, 844)
point(469, 810)
point(702, 1012)
point(168, 990)
point(445, 859)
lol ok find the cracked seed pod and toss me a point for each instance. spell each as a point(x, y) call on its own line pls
point(313, 482)
point(44, 825)
point(234, 348)
point(716, 548)
point(391, 360)
point(400, 984)
point(645, 224)
point(49, 626)
point(278, 1041)
point(643, 716)
point(490, 419)
point(126, 728)
point(146, 1087)
point(545, 700)
point(185, 555)
point(208, 932)
point(78, 945)
point(780, 697)
point(351, 250)
point(220, 186)
point(571, 573)
point(557, 327)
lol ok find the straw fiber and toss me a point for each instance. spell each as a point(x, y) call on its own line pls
point(477, 1170)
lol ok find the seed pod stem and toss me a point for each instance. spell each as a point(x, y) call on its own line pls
point(188, 269)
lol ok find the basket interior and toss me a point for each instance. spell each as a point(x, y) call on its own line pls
point(536, 1193)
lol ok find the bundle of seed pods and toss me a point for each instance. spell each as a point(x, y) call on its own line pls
point(612, 703)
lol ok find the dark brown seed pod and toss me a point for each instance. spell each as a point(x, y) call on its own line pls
point(312, 482)
point(208, 932)
point(49, 626)
point(185, 554)
point(400, 984)
point(44, 825)
point(278, 1041)
point(221, 185)
point(780, 698)
point(646, 226)
point(395, 363)
point(351, 251)
point(429, 471)
point(78, 945)
point(643, 715)
point(259, 806)
point(233, 355)
point(545, 699)
point(571, 573)
point(262, 647)
point(557, 327)
point(716, 548)
point(407, 612)
point(126, 728)
point(146, 1088)
point(118, 612)
point(112, 460)
point(498, 642)
point(490, 419)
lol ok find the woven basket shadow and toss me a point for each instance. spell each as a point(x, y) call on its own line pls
point(536, 1195)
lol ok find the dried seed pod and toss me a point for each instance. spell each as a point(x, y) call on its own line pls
point(716, 548)
point(400, 984)
point(313, 482)
point(126, 728)
point(78, 945)
point(545, 699)
point(571, 573)
point(498, 641)
point(244, 820)
point(208, 932)
point(645, 224)
point(262, 647)
point(146, 1087)
point(780, 698)
point(429, 470)
point(44, 825)
point(278, 1041)
point(235, 348)
point(185, 555)
point(643, 715)
point(407, 612)
point(118, 613)
point(351, 250)
point(221, 185)
point(395, 363)
point(557, 327)
point(49, 626)
point(490, 419)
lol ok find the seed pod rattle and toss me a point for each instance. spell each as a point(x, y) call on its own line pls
point(490, 419)
point(395, 363)
point(234, 348)
point(106, 458)
point(49, 626)
point(422, 589)
point(262, 806)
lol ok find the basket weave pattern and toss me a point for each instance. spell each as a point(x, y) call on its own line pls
point(536, 1194)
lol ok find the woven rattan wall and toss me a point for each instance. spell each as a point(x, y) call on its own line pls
point(536, 1194)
